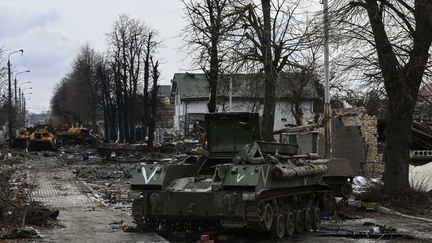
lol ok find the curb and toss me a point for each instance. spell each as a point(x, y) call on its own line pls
point(382, 209)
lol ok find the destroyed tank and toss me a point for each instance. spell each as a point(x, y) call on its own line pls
point(42, 139)
point(75, 135)
point(23, 138)
point(257, 184)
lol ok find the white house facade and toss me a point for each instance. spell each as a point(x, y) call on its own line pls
point(189, 94)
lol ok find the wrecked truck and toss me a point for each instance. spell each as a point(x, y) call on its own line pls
point(258, 184)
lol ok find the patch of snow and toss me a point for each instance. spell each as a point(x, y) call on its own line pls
point(420, 177)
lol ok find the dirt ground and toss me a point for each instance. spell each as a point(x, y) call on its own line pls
point(91, 196)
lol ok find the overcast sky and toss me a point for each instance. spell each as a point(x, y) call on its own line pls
point(52, 31)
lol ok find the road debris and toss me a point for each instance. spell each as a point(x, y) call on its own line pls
point(20, 233)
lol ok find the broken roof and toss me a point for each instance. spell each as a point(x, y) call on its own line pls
point(196, 86)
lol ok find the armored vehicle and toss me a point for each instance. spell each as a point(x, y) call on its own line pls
point(257, 184)
point(23, 138)
point(43, 138)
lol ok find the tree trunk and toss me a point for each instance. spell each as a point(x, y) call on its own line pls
point(151, 134)
point(213, 77)
point(270, 75)
point(297, 112)
point(152, 123)
point(401, 84)
point(398, 138)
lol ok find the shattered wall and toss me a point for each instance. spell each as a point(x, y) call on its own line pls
point(358, 117)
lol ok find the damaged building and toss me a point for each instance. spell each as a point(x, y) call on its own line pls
point(354, 136)
point(242, 93)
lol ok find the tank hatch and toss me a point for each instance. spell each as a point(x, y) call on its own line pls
point(227, 133)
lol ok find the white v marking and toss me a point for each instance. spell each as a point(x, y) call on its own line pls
point(144, 172)
point(239, 177)
point(265, 176)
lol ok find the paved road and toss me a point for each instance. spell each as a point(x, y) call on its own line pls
point(82, 218)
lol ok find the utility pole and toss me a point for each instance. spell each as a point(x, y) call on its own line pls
point(23, 109)
point(11, 116)
point(327, 106)
point(18, 108)
point(10, 122)
point(17, 113)
point(15, 84)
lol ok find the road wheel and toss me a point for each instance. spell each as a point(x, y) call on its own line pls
point(329, 203)
point(268, 216)
point(299, 221)
point(308, 219)
point(279, 226)
point(346, 190)
point(290, 224)
point(316, 218)
point(137, 212)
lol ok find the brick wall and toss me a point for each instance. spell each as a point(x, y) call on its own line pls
point(373, 166)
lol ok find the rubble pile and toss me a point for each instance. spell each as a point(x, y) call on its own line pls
point(95, 173)
point(108, 175)
point(14, 189)
point(109, 183)
point(16, 206)
point(40, 215)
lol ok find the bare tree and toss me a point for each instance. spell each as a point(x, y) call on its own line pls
point(154, 91)
point(270, 36)
point(76, 98)
point(86, 101)
point(209, 24)
point(3, 90)
point(127, 42)
point(301, 79)
point(107, 99)
point(149, 51)
point(396, 44)
point(110, 87)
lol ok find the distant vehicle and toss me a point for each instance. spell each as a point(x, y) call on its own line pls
point(76, 135)
point(259, 184)
point(23, 138)
point(43, 138)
